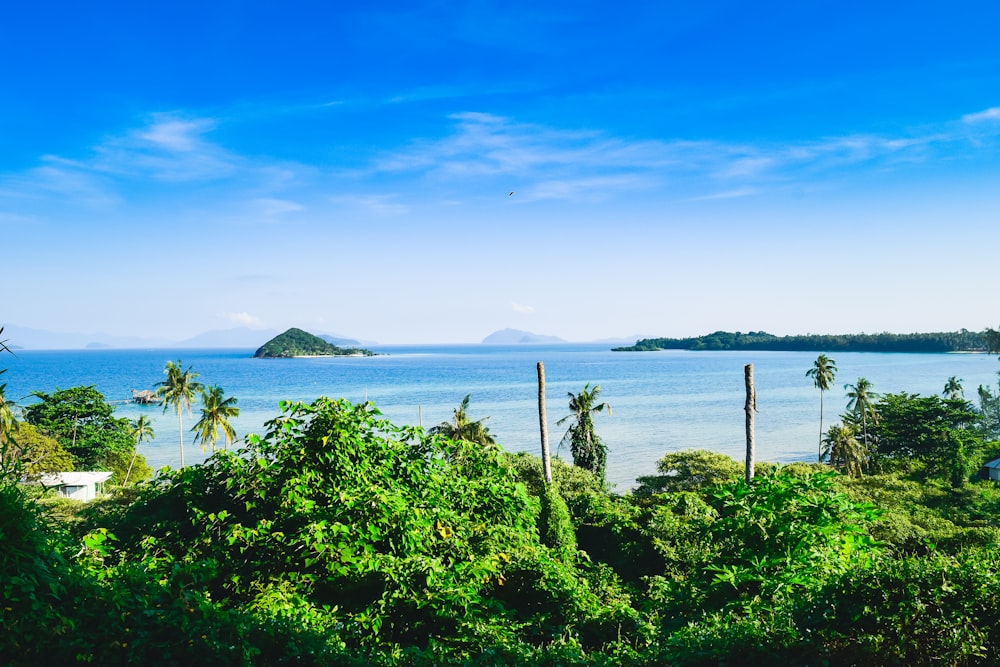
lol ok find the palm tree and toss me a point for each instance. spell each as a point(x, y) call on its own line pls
point(588, 451)
point(141, 430)
point(178, 390)
point(215, 415)
point(823, 371)
point(844, 451)
point(860, 404)
point(461, 428)
point(953, 388)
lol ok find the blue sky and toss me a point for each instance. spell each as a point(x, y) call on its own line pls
point(794, 167)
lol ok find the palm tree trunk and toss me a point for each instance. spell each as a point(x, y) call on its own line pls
point(819, 455)
point(542, 424)
point(750, 408)
point(180, 434)
point(135, 452)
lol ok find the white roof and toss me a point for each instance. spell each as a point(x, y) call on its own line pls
point(74, 478)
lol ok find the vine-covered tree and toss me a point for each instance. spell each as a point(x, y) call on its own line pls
point(823, 371)
point(588, 450)
point(178, 392)
point(216, 411)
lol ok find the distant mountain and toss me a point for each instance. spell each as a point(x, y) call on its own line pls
point(518, 337)
point(299, 343)
point(337, 340)
point(235, 337)
point(40, 339)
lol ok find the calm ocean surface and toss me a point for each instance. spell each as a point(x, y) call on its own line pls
point(663, 401)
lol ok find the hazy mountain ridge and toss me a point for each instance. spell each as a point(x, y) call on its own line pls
point(27, 338)
point(518, 337)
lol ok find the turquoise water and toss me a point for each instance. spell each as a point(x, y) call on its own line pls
point(662, 401)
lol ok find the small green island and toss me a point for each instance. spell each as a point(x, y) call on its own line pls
point(299, 343)
point(951, 341)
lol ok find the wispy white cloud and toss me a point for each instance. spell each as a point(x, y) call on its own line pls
point(166, 151)
point(727, 194)
point(379, 205)
point(990, 114)
point(273, 209)
point(168, 148)
point(244, 319)
point(522, 308)
point(568, 164)
point(61, 179)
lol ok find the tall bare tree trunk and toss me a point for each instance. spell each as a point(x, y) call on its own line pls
point(180, 433)
point(819, 449)
point(751, 408)
point(543, 425)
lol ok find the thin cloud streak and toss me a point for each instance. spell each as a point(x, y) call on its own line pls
point(482, 145)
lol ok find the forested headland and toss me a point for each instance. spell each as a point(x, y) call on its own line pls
point(298, 343)
point(954, 341)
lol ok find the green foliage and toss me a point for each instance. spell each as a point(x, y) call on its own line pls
point(83, 422)
point(215, 414)
point(772, 538)
point(30, 581)
point(844, 450)
point(554, 526)
point(579, 488)
point(463, 428)
point(940, 433)
point(37, 453)
point(920, 514)
point(178, 391)
point(406, 539)
point(588, 450)
point(689, 470)
point(989, 411)
point(930, 610)
point(299, 343)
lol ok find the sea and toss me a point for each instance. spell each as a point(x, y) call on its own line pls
point(661, 402)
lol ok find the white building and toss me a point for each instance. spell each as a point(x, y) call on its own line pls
point(84, 486)
point(990, 470)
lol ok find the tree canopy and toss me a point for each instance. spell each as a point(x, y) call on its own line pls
point(83, 423)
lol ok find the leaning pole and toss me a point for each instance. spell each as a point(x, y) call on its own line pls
point(750, 408)
point(542, 425)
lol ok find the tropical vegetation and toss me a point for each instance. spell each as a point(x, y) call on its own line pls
point(179, 391)
point(338, 538)
point(822, 372)
point(83, 427)
point(588, 450)
point(216, 411)
point(462, 428)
